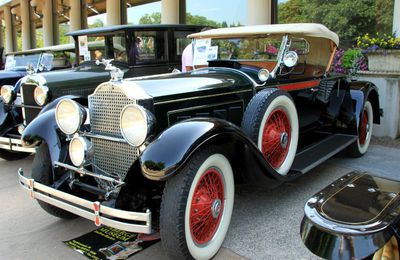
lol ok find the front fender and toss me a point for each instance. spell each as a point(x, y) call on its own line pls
point(172, 149)
point(44, 129)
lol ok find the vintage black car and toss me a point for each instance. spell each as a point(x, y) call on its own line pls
point(137, 50)
point(19, 64)
point(355, 217)
point(164, 152)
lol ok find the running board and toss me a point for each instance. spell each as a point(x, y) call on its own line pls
point(321, 151)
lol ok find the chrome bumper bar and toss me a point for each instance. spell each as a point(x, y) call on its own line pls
point(14, 145)
point(87, 209)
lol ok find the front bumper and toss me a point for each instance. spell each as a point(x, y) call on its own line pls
point(13, 144)
point(90, 210)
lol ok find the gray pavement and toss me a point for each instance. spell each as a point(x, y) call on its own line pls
point(265, 223)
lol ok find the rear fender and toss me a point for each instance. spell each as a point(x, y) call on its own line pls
point(173, 148)
point(362, 91)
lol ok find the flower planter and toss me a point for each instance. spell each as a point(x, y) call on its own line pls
point(384, 60)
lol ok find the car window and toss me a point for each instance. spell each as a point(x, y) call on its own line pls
point(180, 41)
point(107, 47)
point(148, 47)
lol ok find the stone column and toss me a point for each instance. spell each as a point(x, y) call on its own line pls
point(25, 25)
point(169, 11)
point(78, 15)
point(116, 12)
point(396, 18)
point(50, 23)
point(258, 12)
point(11, 39)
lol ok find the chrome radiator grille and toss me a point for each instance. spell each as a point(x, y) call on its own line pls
point(110, 157)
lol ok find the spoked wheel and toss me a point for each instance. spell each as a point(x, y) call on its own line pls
point(276, 137)
point(197, 206)
point(271, 122)
point(360, 147)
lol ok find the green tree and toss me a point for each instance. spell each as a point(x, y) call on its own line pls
point(154, 18)
point(348, 19)
point(96, 23)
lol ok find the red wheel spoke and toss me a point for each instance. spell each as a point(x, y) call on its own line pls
point(204, 219)
point(276, 128)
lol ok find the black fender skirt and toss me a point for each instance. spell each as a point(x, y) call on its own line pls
point(172, 149)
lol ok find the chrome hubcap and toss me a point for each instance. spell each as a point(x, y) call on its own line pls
point(284, 139)
point(216, 208)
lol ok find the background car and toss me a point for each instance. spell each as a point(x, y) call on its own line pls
point(137, 50)
point(166, 151)
point(19, 64)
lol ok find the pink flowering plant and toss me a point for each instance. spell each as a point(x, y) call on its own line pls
point(349, 62)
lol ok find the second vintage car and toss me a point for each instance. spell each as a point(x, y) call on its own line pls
point(137, 50)
point(18, 65)
point(165, 152)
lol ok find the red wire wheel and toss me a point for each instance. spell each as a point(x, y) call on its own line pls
point(362, 136)
point(276, 138)
point(207, 206)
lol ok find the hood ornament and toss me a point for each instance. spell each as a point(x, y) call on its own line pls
point(115, 73)
point(29, 69)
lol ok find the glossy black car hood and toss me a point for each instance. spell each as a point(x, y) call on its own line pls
point(187, 84)
point(5, 74)
point(81, 73)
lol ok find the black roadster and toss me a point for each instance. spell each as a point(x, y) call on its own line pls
point(164, 152)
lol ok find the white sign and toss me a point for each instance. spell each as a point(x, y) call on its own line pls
point(200, 52)
point(83, 44)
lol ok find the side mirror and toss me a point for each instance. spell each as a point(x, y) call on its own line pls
point(290, 59)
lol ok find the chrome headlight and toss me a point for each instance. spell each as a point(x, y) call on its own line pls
point(8, 94)
point(41, 95)
point(134, 124)
point(80, 151)
point(69, 116)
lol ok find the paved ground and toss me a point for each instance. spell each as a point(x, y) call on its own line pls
point(265, 224)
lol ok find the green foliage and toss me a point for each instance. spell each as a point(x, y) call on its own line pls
point(155, 18)
point(350, 57)
point(347, 18)
point(96, 23)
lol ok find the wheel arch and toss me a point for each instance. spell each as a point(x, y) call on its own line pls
point(163, 158)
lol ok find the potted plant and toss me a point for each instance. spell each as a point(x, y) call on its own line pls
point(349, 62)
point(382, 50)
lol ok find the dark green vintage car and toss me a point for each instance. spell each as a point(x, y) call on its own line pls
point(165, 152)
point(137, 50)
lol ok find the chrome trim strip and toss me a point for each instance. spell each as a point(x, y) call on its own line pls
point(86, 208)
point(104, 137)
point(200, 97)
point(83, 171)
point(12, 144)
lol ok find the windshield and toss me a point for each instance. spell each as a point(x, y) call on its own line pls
point(240, 49)
point(103, 47)
point(20, 62)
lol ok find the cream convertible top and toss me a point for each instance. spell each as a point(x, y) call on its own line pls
point(298, 29)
